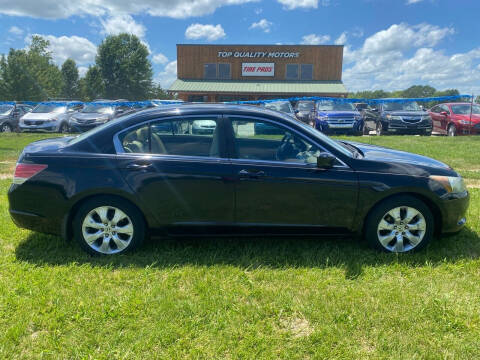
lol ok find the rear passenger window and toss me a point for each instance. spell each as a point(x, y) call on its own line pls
point(192, 137)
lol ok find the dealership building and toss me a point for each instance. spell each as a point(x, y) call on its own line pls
point(217, 73)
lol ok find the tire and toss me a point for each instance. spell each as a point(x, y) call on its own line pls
point(427, 133)
point(6, 128)
point(452, 130)
point(63, 128)
point(383, 233)
point(379, 129)
point(365, 129)
point(116, 237)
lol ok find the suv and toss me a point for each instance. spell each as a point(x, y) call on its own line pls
point(304, 110)
point(97, 113)
point(10, 114)
point(50, 116)
point(398, 118)
point(332, 117)
point(456, 119)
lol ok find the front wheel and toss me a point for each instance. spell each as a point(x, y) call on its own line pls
point(379, 129)
point(108, 225)
point(399, 224)
point(452, 130)
point(6, 128)
point(63, 128)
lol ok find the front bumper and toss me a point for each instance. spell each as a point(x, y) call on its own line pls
point(400, 127)
point(328, 127)
point(49, 126)
point(454, 209)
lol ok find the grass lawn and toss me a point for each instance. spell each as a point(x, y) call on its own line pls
point(258, 298)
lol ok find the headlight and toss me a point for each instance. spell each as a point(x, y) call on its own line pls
point(464, 122)
point(451, 184)
point(357, 117)
point(323, 118)
point(101, 119)
point(392, 117)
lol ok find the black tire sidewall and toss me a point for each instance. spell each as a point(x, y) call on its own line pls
point(132, 212)
point(454, 130)
point(4, 125)
point(377, 213)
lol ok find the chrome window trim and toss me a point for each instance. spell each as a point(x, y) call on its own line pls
point(229, 117)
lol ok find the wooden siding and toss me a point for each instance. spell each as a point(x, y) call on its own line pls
point(326, 59)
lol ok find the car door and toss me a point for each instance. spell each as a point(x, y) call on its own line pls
point(435, 115)
point(181, 177)
point(445, 117)
point(278, 182)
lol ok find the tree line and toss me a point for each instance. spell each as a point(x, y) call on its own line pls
point(122, 70)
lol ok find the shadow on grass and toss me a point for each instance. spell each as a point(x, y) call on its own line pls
point(251, 253)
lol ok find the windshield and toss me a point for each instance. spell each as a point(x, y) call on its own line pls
point(5, 109)
point(305, 105)
point(98, 109)
point(283, 106)
point(463, 109)
point(43, 108)
point(405, 106)
point(327, 105)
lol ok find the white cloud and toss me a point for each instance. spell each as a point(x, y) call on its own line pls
point(409, 2)
point(78, 48)
point(263, 24)
point(404, 55)
point(208, 31)
point(314, 39)
point(115, 25)
point(82, 71)
point(15, 30)
point(305, 4)
point(342, 39)
point(168, 75)
point(159, 59)
point(56, 9)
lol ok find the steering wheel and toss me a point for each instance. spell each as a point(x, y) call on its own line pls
point(289, 147)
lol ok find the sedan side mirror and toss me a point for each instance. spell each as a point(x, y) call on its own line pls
point(444, 113)
point(325, 160)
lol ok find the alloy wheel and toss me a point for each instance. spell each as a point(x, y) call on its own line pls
point(6, 128)
point(452, 131)
point(401, 229)
point(107, 230)
point(379, 129)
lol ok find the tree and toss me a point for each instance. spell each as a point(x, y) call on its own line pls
point(70, 79)
point(94, 86)
point(418, 91)
point(30, 74)
point(158, 93)
point(125, 67)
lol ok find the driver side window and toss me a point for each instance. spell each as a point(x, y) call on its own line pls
point(262, 140)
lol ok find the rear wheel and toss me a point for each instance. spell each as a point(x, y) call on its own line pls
point(379, 129)
point(6, 127)
point(399, 224)
point(452, 130)
point(108, 225)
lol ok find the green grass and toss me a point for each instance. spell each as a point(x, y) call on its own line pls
point(259, 298)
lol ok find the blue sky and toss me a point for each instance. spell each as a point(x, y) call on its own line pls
point(389, 44)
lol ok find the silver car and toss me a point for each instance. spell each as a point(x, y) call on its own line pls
point(49, 117)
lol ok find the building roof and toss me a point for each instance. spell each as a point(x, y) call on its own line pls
point(258, 87)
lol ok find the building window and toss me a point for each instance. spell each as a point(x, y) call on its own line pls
point(224, 71)
point(292, 72)
point(210, 71)
point(307, 72)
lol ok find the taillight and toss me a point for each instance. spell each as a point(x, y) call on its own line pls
point(23, 172)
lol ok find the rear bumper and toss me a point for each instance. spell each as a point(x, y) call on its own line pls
point(454, 210)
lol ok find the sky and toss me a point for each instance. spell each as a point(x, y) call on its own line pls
point(388, 44)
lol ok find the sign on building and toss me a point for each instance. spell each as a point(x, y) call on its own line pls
point(258, 69)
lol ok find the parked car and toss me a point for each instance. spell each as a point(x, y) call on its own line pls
point(336, 117)
point(95, 114)
point(361, 106)
point(109, 187)
point(454, 119)
point(10, 115)
point(49, 117)
point(397, 118)
point(304, 110)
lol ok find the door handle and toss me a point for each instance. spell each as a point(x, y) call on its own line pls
point(139, 166)
point(251, 174)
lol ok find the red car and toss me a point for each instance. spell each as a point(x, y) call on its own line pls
point(454, 119)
